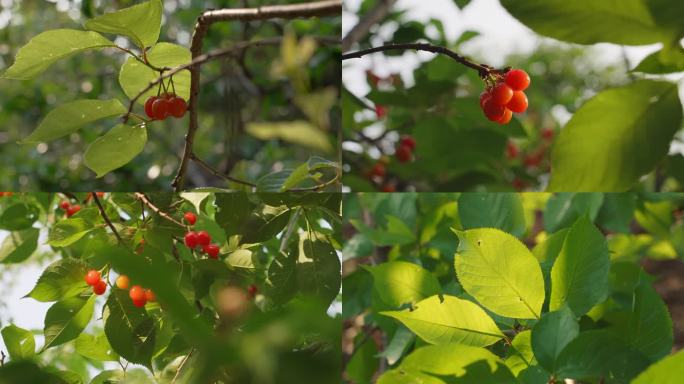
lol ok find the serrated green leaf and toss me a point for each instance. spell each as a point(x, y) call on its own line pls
point(130, 331)
point(95, 347)
point(140, 22)
point(19, 216)
point(67, 232)
point(70, 117)
point(588, 22)
point(399, 282)
point(500, 273)
point(451, 321)
point(579, 277)
point(48, 47)
point(19, 342)
point(19, 246)
point(60, 280)
point(630, 127)
point(115, 149)
point(136, 76)
point(551, 334)
point(274, 181)
point(66, 319)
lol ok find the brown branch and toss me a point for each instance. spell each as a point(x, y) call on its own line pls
point(105, 217)
point(2, 358)
point(146, 201)
point(217, 173)
point(361, 29)
point(483, 69)
point(290, 11)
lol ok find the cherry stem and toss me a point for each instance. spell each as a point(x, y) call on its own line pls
point(483, 69)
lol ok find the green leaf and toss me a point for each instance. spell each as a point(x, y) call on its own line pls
point(274, 181)
point(300, 133)
point(521, 356)
point(364, 362)
point(140, 22)
point(447, 360)
point(69, 231)
point(482, 372)
point(19, 246)
point(399, 282)
point(500, 273)
point(669, 370)
point(451, 321)
point(232, 210)
point(265, 223)
point(563, 209)
point(282, 278)
point(136, 76)
point(494, 210)
point(551, 334)
point(358, 246)
point(318, 268)
point(396, 233)
point(60, 280)
point(66, 319)
point(663, 61)
point(48, 47)
point(70, 117)
point(27, 372)
point(19, 342)
point(594, 354)
point(115, 149)
point(19, 216)
point(626, 22)
point(617, 212)
point(130, 331)
point(241, 259)
point(95, 347)
point(648, 326)
point(630, 129)
point(401, 340)
point(579, 277)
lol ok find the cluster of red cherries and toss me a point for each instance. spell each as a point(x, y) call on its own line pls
point(138, 294)
point(201, 239)
point(68, 208)
point(505, 97)
point(165, 105)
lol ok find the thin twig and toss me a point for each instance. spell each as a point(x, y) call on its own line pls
point(2, 358)
point(182, 364)
point(146, 201)
point(217, 173)
point(289, 11)
point(105, 217)
point(483, 69)
point(372, 17)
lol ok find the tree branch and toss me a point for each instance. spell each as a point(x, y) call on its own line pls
point(374, 16)
point(291, 11)
point(105, 217)
point(217, 173)
point(483, 69)
point(147, 202)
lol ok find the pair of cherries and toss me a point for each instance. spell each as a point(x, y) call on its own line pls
point(165, 105)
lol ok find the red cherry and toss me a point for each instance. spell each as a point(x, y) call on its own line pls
point(139, 303)
point(190, 218)
point(518, 103)
point(92, 277)
point(484, 96)
point(502, 94)
point(253, 290)
point(100, 287)
point(493, 111)
point(203, 238)
point(408, 141)
point(506, 118)
point(512, 150)
point(72, 210)
point(212, 250)
point(177, 107)
point(547, 133)
point(403, 153)
point(532, 160)
point(378, 170)
point(160, 109)
point(137, 293)
point(191, 239)
point(389, 188)
point(148, 106)
point(518, 184)
point(380, 111)
point(518, 79)
point(150, 296)
point(64, 205)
